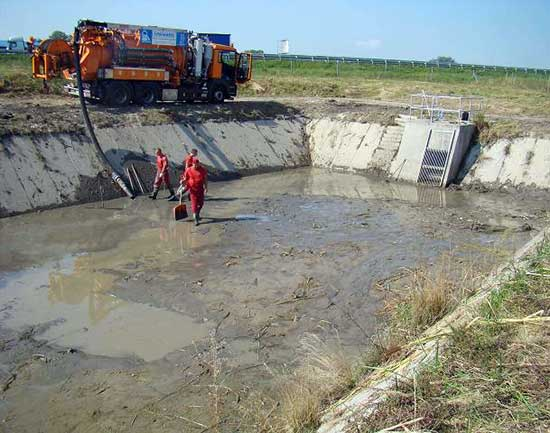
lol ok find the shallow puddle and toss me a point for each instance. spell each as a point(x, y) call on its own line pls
point(76, 308)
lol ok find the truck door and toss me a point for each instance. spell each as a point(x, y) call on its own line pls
point(228, 61)
point(244, 68)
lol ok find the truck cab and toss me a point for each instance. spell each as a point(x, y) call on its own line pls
point(228, 68)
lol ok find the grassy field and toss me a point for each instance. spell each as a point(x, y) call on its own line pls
point(16, 76)
point(514, 93)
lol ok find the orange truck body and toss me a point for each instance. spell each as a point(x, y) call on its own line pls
point(122, 64)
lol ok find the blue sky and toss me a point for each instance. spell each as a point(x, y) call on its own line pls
point(500, 32)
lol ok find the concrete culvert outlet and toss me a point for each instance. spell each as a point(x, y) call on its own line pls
point(115, 316)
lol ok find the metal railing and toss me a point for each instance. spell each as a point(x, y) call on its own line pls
point(445, 107)
point(396, 62)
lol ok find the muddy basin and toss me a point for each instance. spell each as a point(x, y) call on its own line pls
point(114, 317)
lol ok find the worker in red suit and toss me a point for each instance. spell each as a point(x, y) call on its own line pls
point(195, 179)
point(191, 156)
point(162, 176)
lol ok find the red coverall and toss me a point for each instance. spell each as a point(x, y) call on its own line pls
point(195, 179)
point(162, 171)
point(189, 159)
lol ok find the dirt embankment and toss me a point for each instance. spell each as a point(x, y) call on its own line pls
point(39, 114)
point(50, 114)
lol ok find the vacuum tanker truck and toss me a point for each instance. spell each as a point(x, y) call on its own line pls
point(122, 64)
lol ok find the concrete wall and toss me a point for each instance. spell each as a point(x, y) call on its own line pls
point(394, 151)
point(60, 169)
point(352, 146)
point(519, 162)
point(44, 171)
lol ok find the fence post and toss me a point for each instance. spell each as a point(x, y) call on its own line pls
point(337, 68)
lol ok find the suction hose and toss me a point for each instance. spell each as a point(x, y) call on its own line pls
point(114, 175)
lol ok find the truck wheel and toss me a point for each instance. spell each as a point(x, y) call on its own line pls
point(118, 94)
point(217, 94)
point(146, 94)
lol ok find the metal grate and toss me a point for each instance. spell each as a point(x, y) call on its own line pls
point(436, 157)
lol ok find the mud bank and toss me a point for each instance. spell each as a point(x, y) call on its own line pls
point(117, 318)
point(348, 413)
point(44, 171)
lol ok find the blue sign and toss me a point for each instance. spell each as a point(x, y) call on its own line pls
point(156, 36)
point(146, 36)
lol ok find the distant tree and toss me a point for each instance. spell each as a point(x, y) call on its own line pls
point(58, 34)
point(255, 51)
point(443, 59)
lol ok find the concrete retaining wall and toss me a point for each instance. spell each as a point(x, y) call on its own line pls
point(394, 151)
point(352, 146)
point(46, 171)
point(519, 162)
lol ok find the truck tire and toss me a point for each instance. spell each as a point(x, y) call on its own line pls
point(146, 93)
point(118, 94)
point(216, 94)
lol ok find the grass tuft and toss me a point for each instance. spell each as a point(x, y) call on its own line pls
point(295, 404)
point(324, 374)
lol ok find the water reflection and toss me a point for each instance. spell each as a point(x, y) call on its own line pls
point(72, 297)
point(360, 187)
point(84, 286)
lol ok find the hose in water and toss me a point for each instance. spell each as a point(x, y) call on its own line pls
point(114, 175)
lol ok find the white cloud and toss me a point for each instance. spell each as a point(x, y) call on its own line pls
point(369, 43)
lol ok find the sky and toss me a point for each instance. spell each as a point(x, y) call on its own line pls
point(491, 32)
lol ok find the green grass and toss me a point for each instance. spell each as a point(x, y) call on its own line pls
point(494, 376)
point(16, 76)
point(516, 93)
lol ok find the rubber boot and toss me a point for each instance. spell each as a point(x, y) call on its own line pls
point(196, 218)
point(153, 195)
point(173, 196)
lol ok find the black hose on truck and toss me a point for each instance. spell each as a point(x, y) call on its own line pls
point(114, 175)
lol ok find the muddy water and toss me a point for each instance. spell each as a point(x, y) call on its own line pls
point(277, 256)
